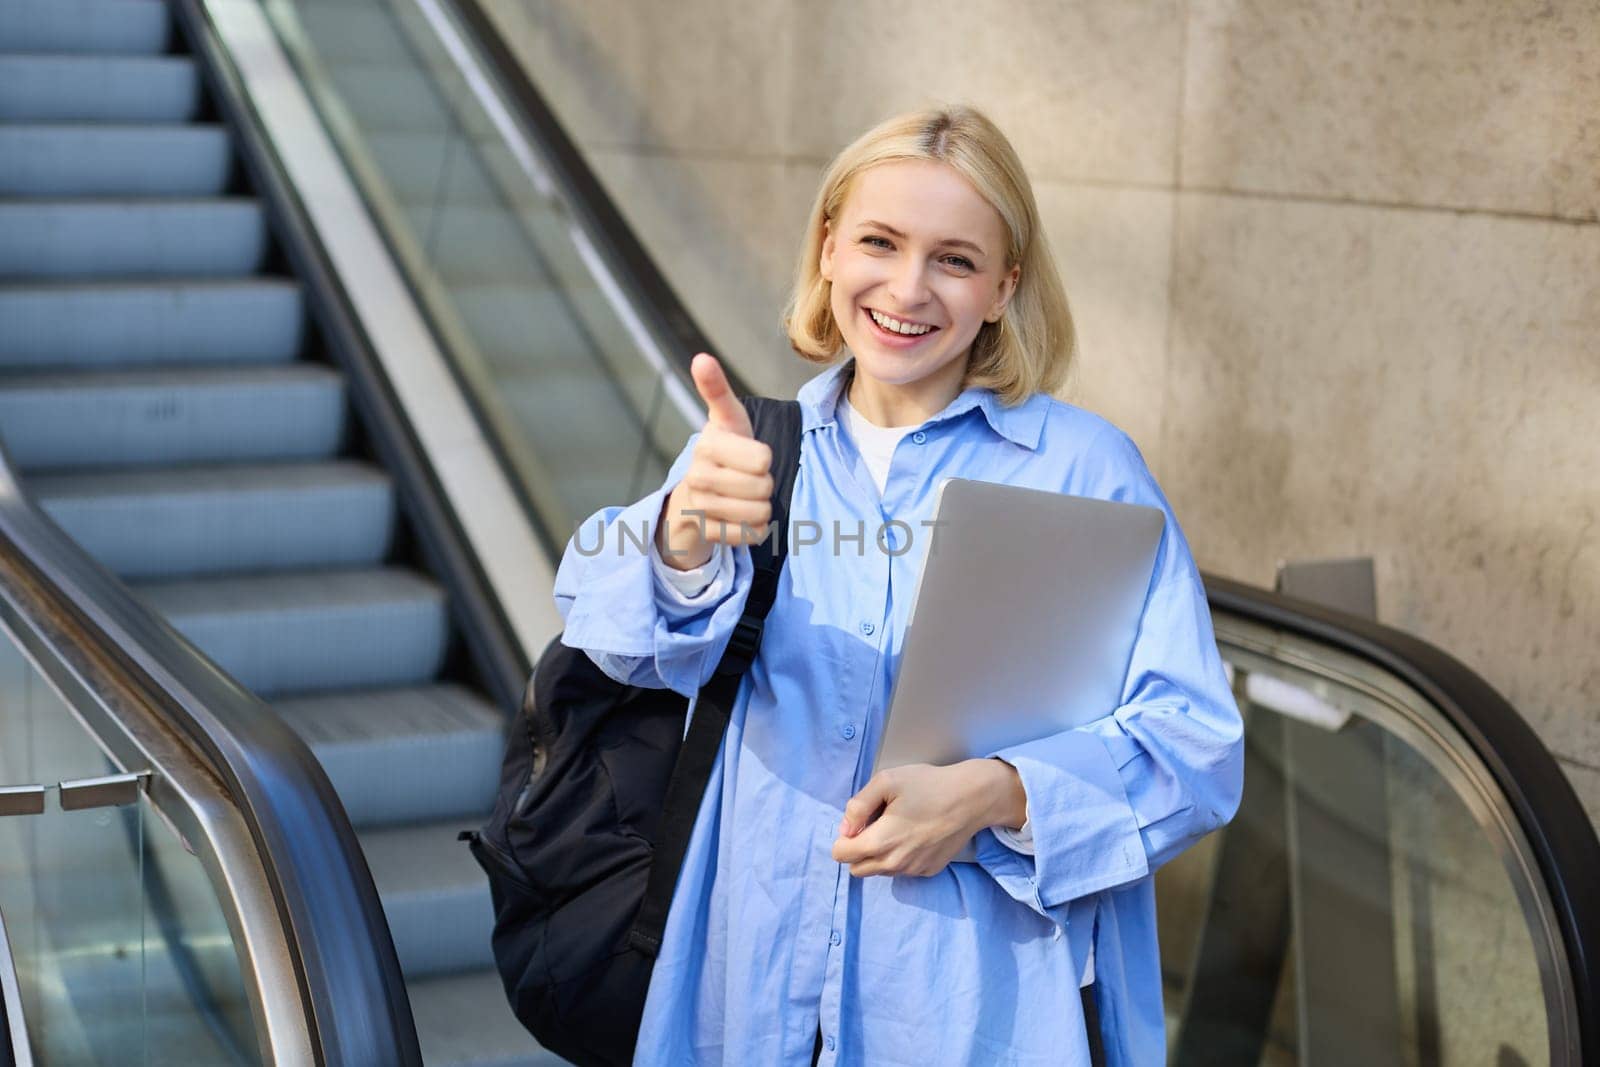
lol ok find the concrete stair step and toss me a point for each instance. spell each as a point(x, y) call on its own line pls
point(84, 239)
point(400, 755)
point(176, 522)
point(435, 895)
point(290, 634)
point(172, 415)
point(54, 160)
point(463, 1020)
point(99, 26)
point(98, 88)
point(107, 324)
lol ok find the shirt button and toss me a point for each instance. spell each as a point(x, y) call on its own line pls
point(833, 938)
point(867, 628)
point(848, 730)
point(829, 1043)
point(919, 437)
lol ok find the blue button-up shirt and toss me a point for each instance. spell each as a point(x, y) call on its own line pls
point(768, 938)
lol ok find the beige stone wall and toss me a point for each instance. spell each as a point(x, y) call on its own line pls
point(1336, 265)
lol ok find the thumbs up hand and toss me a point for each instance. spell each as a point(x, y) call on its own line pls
point(726, 494)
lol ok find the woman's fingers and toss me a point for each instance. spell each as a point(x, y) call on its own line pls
point(714, 512)
point(860, 849)
point(869, 853)
point(725, 448)
point(730, 482)
point(861, 808)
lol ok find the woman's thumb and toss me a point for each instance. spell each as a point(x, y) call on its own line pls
point(722, 407)
point(860, 809)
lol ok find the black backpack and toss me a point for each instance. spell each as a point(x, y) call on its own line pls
point(597, 799)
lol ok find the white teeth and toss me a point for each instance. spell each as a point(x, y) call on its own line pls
point(896, 326)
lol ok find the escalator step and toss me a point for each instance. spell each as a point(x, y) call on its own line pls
point(191, 521)
point(397, 755)
point(131, 238)
point(103, 324)
point(172, 415)
point(463, 1021)
point(435, 897)
point(131, 160)
point(312, 630)
point(58, 88)
point(100, 26)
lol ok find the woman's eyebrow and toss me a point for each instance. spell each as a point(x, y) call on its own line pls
point(948, 242)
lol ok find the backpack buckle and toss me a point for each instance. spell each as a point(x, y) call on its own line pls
point(742, 646)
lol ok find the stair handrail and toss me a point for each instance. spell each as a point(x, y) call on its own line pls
point(349, 984)
point(15, 1049)
point(1564, 845)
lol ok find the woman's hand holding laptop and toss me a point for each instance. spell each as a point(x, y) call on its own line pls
point(916, 818)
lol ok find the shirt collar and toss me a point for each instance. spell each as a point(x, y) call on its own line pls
point(1021, 423)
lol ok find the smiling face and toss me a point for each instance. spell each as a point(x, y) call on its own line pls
point(917, 262)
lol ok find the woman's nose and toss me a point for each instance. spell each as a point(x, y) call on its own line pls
point(909, 285)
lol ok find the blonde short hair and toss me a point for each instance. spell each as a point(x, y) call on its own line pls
point(1031, 347)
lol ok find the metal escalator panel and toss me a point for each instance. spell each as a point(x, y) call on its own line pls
point(1392, 890)
point(124, 951)
point(565, 369)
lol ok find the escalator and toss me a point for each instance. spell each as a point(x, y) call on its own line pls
point(317, 337)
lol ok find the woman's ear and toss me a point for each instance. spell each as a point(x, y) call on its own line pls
point(1008, 289)
point(825, 260)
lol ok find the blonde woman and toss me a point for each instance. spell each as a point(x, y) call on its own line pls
point(818, 916)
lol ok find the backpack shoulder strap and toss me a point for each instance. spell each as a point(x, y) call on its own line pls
point(778, 423)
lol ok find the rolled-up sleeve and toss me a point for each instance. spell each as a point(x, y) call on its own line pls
point(620, 612)
point(1114, 799)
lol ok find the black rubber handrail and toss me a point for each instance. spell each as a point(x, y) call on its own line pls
point(343, 956)
point(648, 290)
point(1565, 848)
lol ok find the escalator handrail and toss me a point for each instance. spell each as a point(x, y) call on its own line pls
point(1559, 832)
point(344, 958)
point(15, 1050)
point(652, 296)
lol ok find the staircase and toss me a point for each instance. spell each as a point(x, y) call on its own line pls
point(162, 396)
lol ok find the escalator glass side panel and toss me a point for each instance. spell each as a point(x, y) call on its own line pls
point(1375, 900)
point(568, 379)
point(122, 949)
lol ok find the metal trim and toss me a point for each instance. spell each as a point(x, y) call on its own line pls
point(13, 1024)
point(21, 800)
point(107, 791)
point(187, 795)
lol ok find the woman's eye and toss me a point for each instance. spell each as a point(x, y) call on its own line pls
point(877, 242)
point(961, 262)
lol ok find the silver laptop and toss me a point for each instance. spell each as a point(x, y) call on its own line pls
point(1023, 620)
